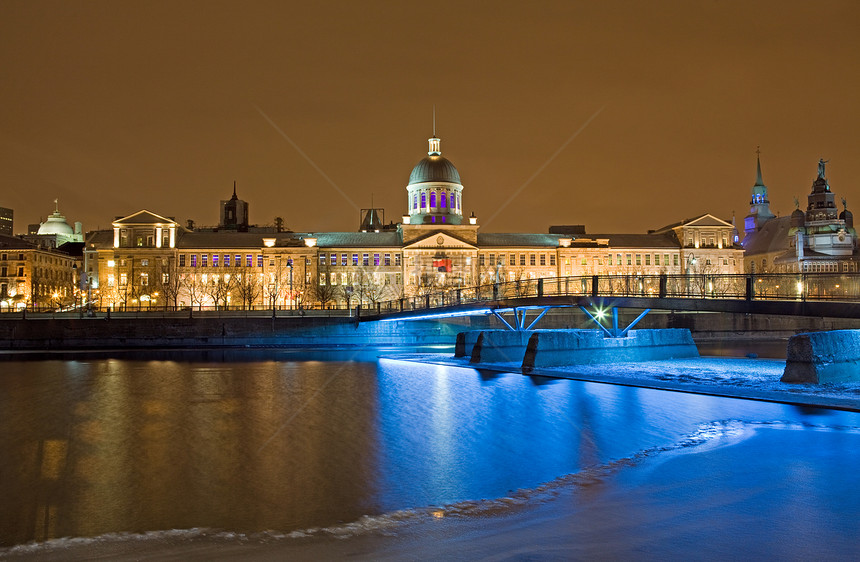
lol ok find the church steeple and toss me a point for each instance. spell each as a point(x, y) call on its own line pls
point(759, 204)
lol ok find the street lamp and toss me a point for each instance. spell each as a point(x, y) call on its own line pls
point(292, 297)
point(272, 297)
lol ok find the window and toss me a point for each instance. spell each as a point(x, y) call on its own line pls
point(415, 201)
point(111, 280)
point(322, 278)
point(193, 261)
point(432, 199)
point(214, 260)
point(665, 259)
point(675, 260)
point(543, 259)
point(21, 272)
point(375, 259)
point(444, 200)
point(648, 259)
point(552, 259)
point(334, 278)
point(386, 259)
point(343, 278)
point(584, 261)
point(226, 260)
point(144, 279)
point(365, 259)
point(423, 200)
point(322, 260)
point(638, 259)
point(344, 260)
point(237, 262)
point(144, 262)
point(181, 261)
point(249, 260)
point(481, 259)
point(397, 260)
point(629, 259)
point(532, 260)
point(123, 279)
point(165, 278)
point(609, 259)
point(492, 260)
point(334, 259)
point(203, 259)
point(354, 259)
point(260, 260)
point(522, 259)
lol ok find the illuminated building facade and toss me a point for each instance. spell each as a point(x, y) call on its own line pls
point(149, 260)
point(33, 276)
point(819, 240)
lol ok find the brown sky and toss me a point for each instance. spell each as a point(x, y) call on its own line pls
point(118, 106)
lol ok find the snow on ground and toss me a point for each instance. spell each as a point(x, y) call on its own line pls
point(756, 379)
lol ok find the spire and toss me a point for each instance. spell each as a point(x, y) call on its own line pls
point(758, 180)
point(234, 190)
point(57, 206)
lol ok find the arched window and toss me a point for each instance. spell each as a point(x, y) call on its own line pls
point(423, 200)
point(415, 201)
point(432, 199)
point(444, 200)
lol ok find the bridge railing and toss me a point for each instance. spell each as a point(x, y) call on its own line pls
point(786, 287)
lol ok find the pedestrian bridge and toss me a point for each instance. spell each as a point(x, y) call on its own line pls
point(831, 295)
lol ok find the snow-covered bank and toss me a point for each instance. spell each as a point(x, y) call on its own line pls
point(753, 379)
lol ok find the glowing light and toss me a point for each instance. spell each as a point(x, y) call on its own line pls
point(268, 242)
point(111, 263)
point(799, 286)
point(310, 242)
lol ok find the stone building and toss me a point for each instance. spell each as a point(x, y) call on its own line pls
point(147, 259)
point(35, 277)
point(818, 240)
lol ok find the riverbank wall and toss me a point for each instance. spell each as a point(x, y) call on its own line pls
point(200, 332)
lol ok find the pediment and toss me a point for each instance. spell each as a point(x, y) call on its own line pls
point(143, 217)
point(441, 241)
point(708, 220)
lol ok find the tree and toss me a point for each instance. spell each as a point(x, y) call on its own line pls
point(249, 287)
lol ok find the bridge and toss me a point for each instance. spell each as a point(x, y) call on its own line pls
point(832, 295)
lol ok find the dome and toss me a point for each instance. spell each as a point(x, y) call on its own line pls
point(56, 224)
point(432, 168)
point(848, 217)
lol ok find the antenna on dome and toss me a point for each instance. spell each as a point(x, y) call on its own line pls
point(57, 206)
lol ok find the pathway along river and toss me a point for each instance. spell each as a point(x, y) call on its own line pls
point(229, 445)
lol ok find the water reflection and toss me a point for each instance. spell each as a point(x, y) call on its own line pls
point(105, 445)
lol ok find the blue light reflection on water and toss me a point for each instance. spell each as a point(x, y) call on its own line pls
point(278, 442)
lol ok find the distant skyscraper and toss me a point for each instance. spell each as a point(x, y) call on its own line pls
point(6, 221)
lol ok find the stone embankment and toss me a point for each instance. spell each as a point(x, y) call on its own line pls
point(212, 332)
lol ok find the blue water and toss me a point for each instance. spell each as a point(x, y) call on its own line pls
point(281, 442)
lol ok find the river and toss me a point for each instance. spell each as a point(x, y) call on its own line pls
point(274, 445)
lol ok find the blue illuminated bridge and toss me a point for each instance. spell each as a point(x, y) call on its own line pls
point(521, 304)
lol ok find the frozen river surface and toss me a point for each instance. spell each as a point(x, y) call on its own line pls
point(328, 456)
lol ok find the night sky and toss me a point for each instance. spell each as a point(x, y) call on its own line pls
point(116, 106)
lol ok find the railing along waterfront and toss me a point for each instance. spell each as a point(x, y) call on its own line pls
point(816, 287)
point(812, 287)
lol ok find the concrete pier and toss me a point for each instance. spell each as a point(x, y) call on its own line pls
point(823, 357)
point(500, 346)
point(557, 348)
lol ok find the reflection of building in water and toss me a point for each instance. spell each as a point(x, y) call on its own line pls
point(821, 239)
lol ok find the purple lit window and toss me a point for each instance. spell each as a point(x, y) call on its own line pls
point(443, 219)
point(249, 260)
point(444, 200)
point(432, 219)
point(214, 260)
point(423, 200)
point(226, 260)
point(260, 260)
point(203, 259)
point(432, 198)
point(334, 259)
point(415, 201)
point(238, 261)
point(375, 259)
point(193, 260)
